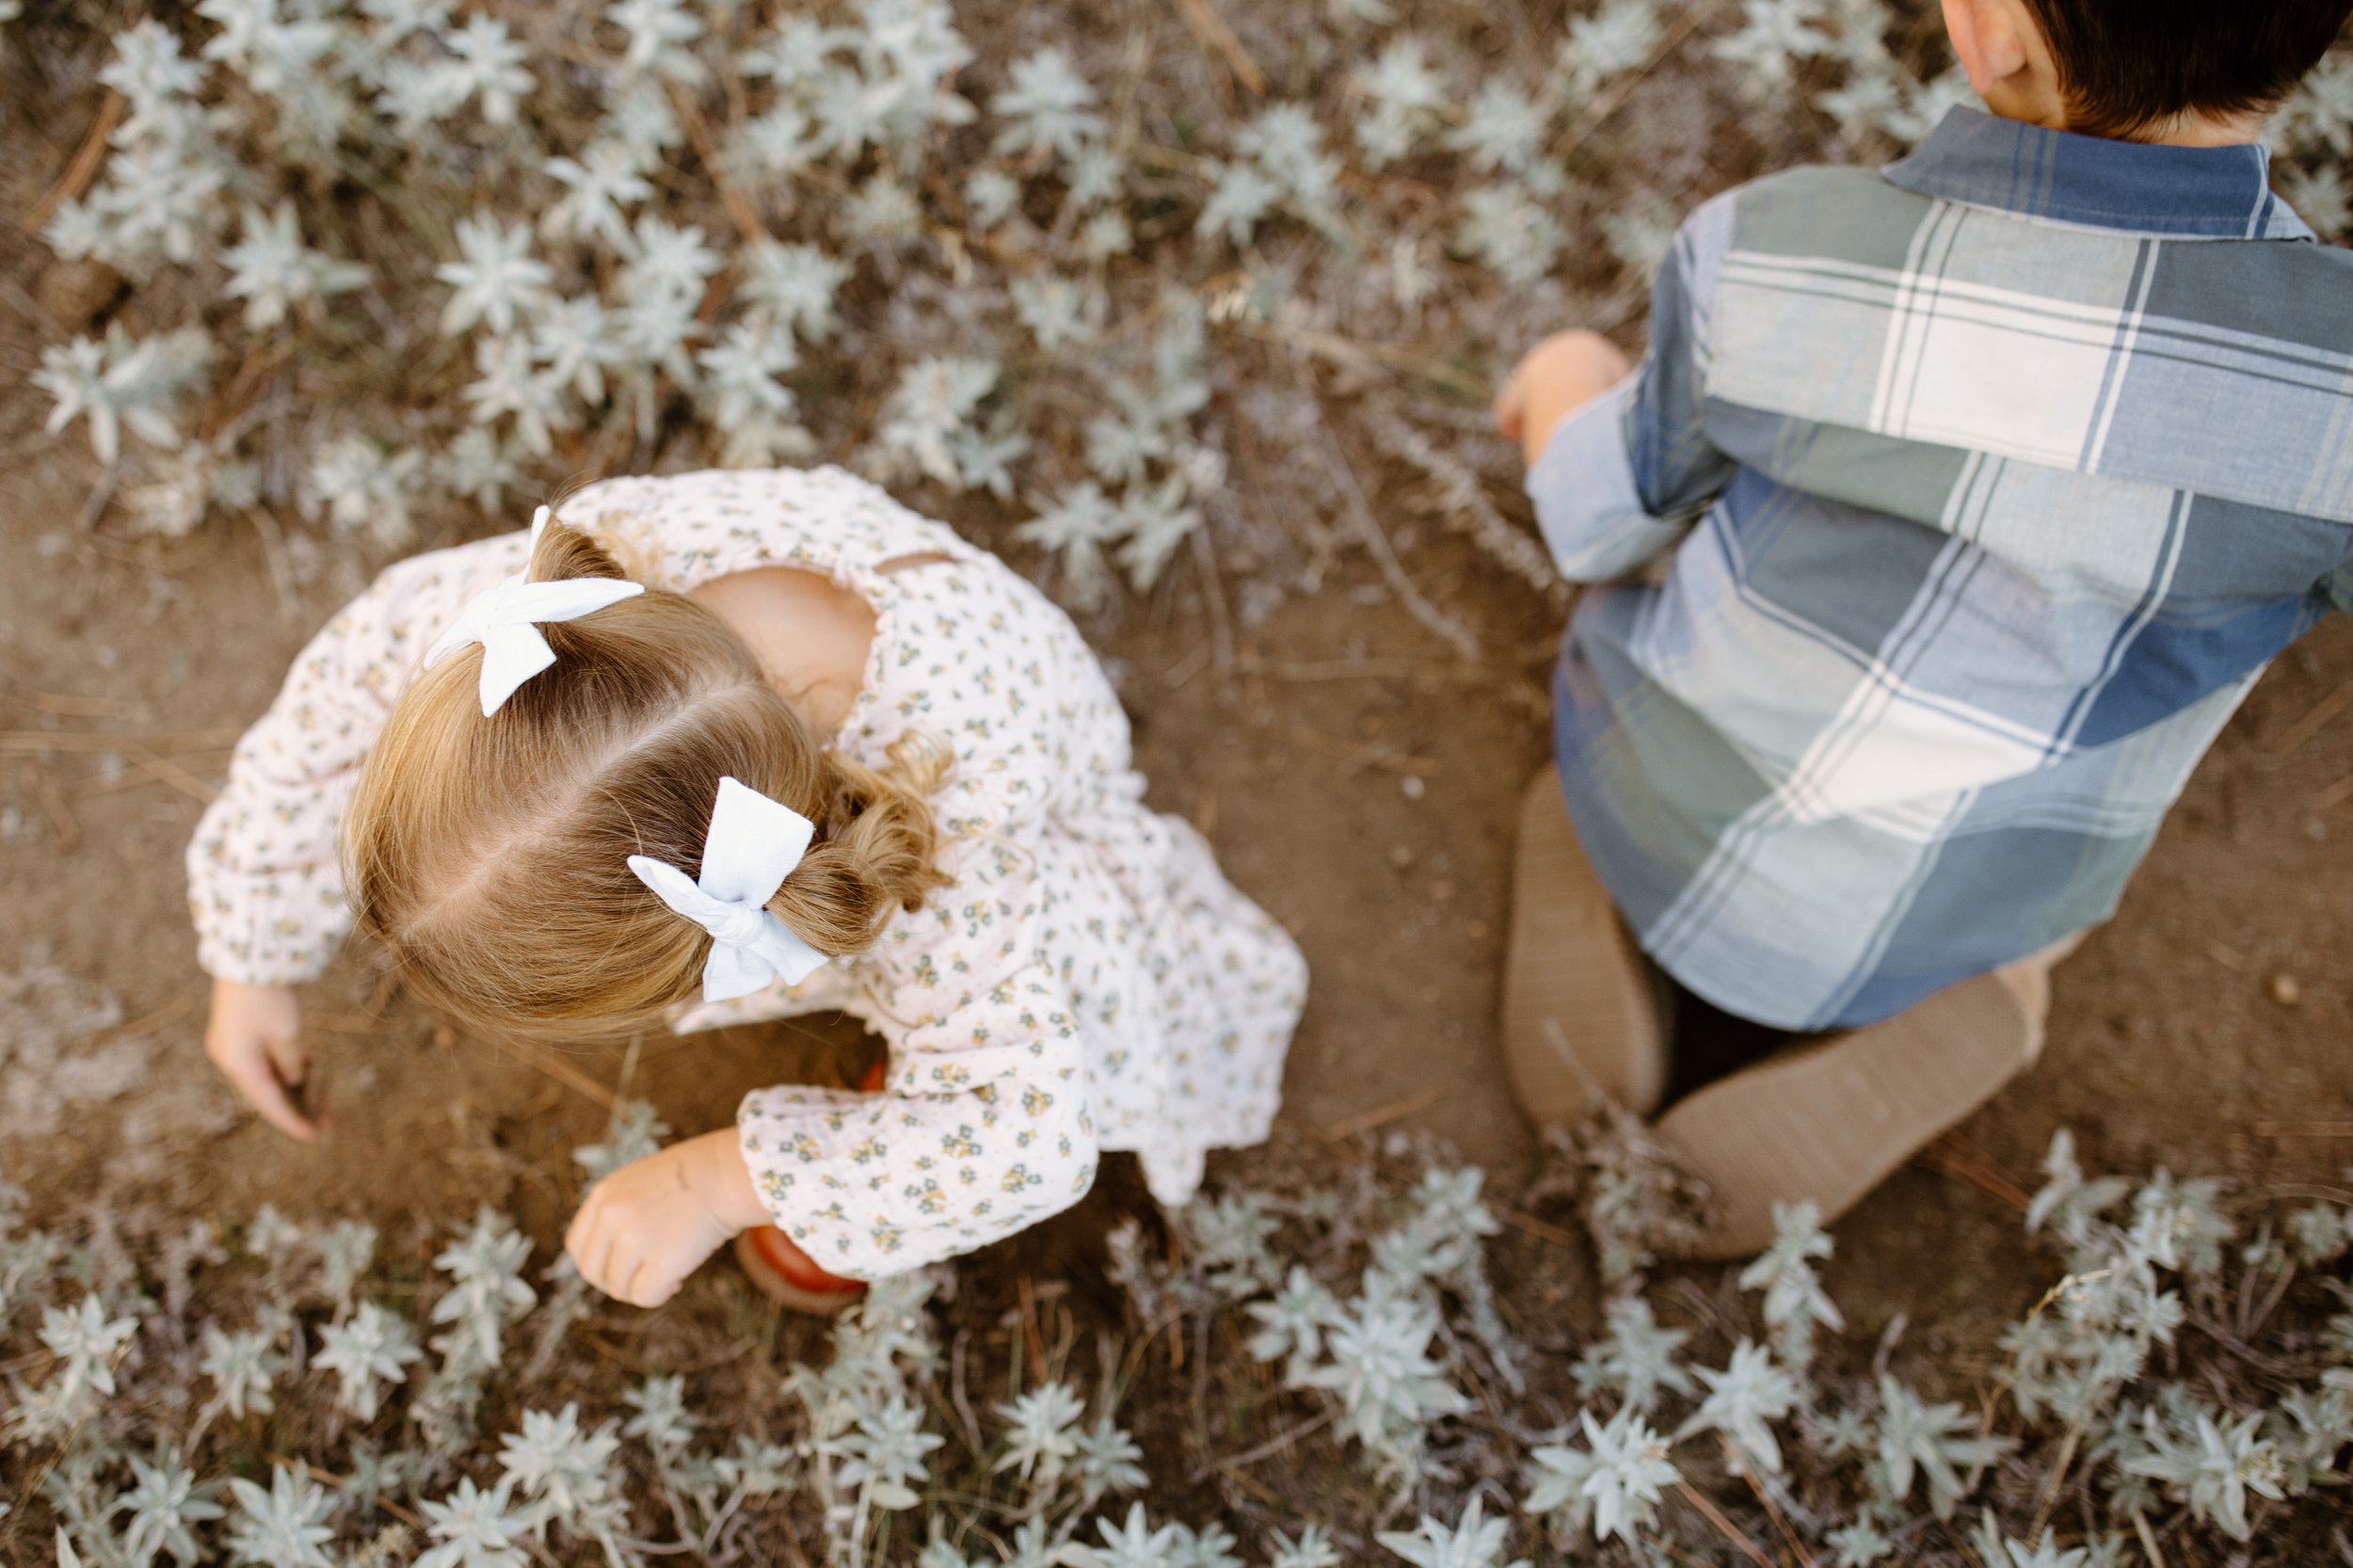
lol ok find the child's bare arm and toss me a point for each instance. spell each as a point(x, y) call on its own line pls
point(654, 1222)
point(255, 1039)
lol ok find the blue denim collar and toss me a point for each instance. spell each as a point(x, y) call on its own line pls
point(2129, 187)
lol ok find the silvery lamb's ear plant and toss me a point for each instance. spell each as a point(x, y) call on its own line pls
point(396, 265)
point(1365, 1299)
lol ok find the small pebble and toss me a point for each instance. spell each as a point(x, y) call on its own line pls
point(2285, 991)
point(1401, 857)
point(1413, 787)
point(1476, 931)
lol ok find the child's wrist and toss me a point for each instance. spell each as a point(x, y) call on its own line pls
point(723, 1182)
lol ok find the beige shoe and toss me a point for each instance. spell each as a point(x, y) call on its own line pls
point(1831, 1121)
point(1578, 1016)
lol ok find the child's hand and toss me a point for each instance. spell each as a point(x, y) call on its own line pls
point(1559, 377)
point(255, 1039)
point(654, 1222)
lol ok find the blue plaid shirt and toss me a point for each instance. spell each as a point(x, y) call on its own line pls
point(1975, 493)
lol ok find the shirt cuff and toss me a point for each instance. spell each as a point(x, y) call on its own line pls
point(267, 930)
point(1587, 506)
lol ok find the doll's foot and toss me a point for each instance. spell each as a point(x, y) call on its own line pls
point(782, 1273)
point(1829, 1121)
point(1580, 1017)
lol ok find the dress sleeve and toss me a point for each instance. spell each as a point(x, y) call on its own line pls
point(265, 886)
point(1622, 478)
point(982, 1127)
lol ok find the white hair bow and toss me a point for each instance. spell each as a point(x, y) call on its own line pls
point(506, 620)
point(753, 845)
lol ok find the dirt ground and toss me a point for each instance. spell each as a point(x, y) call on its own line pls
point(1353, 776)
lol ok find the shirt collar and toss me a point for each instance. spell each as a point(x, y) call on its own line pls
point(2128, 187)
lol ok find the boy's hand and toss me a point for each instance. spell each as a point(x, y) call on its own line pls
point(255, 1039)
point(654, 1222)
point(1559, 377)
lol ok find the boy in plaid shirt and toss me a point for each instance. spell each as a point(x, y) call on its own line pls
point(1973, 494)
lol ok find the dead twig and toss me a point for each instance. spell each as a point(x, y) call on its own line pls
point(83, 168)
point(1952, 1155)
point(43, 743)
point(1310, 672)
point(1213, 594)
point(170, 1013)
point(1267, 1449)
point(2313, 722)
point(1772, 1510)
point(1348, 351)
point(1361, 756)
point(53, 806)
point(1606, 103)
point(171, 773)
point(1381, 1115)
point(1360, 514)
point(740, 211)
point(1725, 1526)
point(1214, 35)
point(1538, 1229)
point(560, 1071)
point(80, 707)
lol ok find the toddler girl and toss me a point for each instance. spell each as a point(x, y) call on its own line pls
point(737, 745)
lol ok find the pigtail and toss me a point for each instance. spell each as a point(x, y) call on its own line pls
point(877, 848)
point(565, 553)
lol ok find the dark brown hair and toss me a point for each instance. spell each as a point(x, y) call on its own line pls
point(2128, 66)
point(491, 853)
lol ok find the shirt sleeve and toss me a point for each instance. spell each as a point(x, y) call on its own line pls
point(982, 1127)
point(1622, 479)
point(265, 886)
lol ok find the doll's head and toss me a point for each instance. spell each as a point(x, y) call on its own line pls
point(490, 853)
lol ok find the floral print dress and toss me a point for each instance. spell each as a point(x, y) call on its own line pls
point(1090, 980)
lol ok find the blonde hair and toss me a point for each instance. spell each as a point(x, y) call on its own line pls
point(489, 855)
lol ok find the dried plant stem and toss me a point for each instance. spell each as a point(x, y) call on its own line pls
point(1348, 351)
point(1267, 1449)
point(1213, 595)
point(1312, 671)
point(560, 1071)
point(1954, 1156)
point(2313, 721)
point(171, 774)
point(2148, 1540)
point(740, 211)
point(1211, 28)
point(2052, 1482)
point(1603, 105)
point(1360, 756)
point(1360, 514)
point(1538, 1229)
point(39, 742)
point(1381, 1115)
point(1725, 1526)
point(83, 168)
point(1772, 1510)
